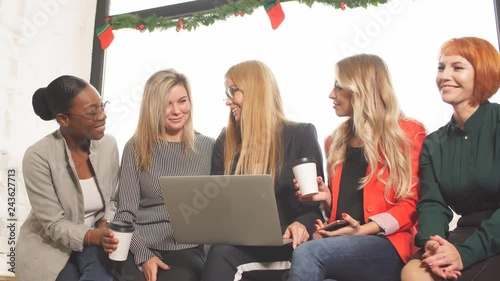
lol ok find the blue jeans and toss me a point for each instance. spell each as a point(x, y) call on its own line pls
point(346, 258)
point(88, 265)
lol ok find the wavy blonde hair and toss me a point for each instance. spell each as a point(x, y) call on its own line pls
point(151, 123)
point(258, 137)
point(375, 120)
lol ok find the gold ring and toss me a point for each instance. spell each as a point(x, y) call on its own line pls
point(444, 255)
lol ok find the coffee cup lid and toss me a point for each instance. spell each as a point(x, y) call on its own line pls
point(304, 160)
point(121, 226)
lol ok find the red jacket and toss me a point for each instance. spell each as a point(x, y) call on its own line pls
point(401, 215)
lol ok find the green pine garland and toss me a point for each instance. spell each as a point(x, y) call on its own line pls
point(209, 17)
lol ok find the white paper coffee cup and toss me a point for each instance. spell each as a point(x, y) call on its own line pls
point(123, 230)
point(305, 173)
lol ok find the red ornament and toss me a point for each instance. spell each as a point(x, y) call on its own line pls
point(342, 6)
point(242, 14)
point(140, 27)
point(180, 25)
point(236, 14)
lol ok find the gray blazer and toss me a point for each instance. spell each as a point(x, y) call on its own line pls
point(55, 226)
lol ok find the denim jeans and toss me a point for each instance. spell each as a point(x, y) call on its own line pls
point(346, 258)
point(88, 265)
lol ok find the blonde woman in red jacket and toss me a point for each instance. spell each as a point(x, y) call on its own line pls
point(373, 160)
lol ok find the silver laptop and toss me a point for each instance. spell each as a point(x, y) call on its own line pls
point(229, 209)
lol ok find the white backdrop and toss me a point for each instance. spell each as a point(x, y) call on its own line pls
point(41, 40)
point(302, 52)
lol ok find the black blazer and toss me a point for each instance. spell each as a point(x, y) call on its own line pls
point(299, 140)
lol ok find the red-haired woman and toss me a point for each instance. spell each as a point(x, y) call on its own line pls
point(459, 167)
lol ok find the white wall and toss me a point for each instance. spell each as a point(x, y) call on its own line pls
point(45, 39)
point(302, 52)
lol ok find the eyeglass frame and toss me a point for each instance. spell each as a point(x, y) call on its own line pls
point(337, 87)
point(230, 91)
point(92, 116)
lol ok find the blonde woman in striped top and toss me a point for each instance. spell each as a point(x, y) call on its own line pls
point(164, 144)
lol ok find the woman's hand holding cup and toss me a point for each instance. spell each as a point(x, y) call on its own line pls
point(121, 231)
point(108, 241)
point(323, 195)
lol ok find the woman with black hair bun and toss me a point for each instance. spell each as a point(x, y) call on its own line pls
point(70, 177)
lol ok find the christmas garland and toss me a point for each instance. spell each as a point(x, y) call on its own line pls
point(232, 8)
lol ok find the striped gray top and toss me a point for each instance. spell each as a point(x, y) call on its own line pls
point(140, 199)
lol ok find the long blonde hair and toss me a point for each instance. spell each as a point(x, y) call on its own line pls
point(258, 137)
point(375, 121)
point(151, 123)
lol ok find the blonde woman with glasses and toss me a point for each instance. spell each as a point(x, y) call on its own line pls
point(164, 144)
point(259, 139)
point(373, 182)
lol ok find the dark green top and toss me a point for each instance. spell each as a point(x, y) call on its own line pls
point(461, 170)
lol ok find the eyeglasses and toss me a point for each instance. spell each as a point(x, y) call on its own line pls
point(93, 115)
point(337, 87)
point(230, 92)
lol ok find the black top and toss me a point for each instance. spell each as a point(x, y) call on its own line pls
point(350, 195)
point(299, 140)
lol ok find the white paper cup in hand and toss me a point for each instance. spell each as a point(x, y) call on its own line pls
point(304, 170)
point(123, 230)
